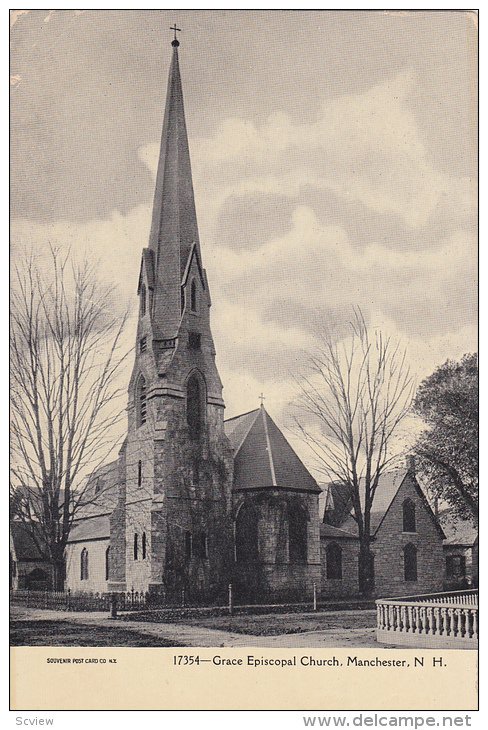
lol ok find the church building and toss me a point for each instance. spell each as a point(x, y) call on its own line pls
point(194, 502)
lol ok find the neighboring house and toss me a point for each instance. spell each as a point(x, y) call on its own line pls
point(460, 550)
point(406, 540)
point(28, 569)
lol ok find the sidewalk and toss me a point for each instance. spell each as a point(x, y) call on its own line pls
point(203, 636)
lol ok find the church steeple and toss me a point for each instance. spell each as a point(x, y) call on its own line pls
point(174, 227)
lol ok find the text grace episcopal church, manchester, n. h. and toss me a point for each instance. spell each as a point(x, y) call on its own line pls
point(194, 503)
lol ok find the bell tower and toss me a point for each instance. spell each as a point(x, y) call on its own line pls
point(177, 461)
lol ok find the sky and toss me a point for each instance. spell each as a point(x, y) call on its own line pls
point(334, 165)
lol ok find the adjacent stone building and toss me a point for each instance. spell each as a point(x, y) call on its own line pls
point(407, 540)
point(460, 550)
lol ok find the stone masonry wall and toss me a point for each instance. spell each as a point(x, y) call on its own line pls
point(390, 541)
point(274, 577)
point(348, 585)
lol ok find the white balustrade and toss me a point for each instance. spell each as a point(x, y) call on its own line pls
point(432, 620)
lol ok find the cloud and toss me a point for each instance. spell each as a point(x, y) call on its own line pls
point(365, 147)
point(301, 222)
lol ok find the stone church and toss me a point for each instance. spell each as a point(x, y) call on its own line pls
point(194, 502)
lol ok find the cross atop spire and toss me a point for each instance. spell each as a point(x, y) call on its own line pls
point(262, 399)
point(175, 42)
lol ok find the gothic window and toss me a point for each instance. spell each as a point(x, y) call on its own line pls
point(141, 401)
point(144, 546)
point(84, 564)
point(194, 340)
point(139, 473)
point(194, 406)
point(188, 545)
point(143, 344)
point(333, 561)
point(136, 546)
point(107, 563)
point(193, 296)
point(409, 516)
point(203, 547)
point(246, 535)
point(410, 562)
point(143, 300)
point(455, 566)
point(297, 535)
point(99, 484)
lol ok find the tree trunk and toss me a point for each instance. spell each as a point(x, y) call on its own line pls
point(58, 575)
point(366, 570)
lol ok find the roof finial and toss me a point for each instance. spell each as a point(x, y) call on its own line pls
point(175, 42)
point(262, 399)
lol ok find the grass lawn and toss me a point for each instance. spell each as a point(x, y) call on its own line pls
point(272, 624)
point(65, 633)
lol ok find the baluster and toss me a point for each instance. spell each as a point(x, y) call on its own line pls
point(409, 618)
point(463, 623)
point(402, 618)
point(443, 627)
point(430, 621)
point(456, 622)
point(378, 616)
point(475, 624)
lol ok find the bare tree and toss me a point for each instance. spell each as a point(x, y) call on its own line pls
point(355, 396)
point(66, 355)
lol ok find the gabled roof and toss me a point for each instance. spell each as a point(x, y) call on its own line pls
point(194, 254)
point(24, 544)
point(101, 492)
point(263, 457)
point(458, 531)
point(336, 533)
point(147, 261)
point(92, 528)
point(388, 486)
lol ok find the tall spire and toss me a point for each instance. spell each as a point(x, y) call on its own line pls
point(174, 226)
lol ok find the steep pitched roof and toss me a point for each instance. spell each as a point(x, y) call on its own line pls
point(101, 492)
point(458, 531)
point(24, 544)
point(263, 457)
point(174, 227)
point(388, 485)
point(92, 528)
point(336, 533)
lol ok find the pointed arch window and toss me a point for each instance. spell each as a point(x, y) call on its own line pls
point(193, 296)
point(409, 516)
point(194, 406)
point(410, 562)
point(143, 300)
point(141, 398)
point(297, 534)
point(333, 561)
point(136, 546)
point(144, 546)
point(246, 535)
point(107, 563)
point(84, 564)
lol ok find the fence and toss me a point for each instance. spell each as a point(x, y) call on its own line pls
point(448, 620)
point(72, 601)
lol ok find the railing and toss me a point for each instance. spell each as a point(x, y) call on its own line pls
point(74, 601)
point(449, 620)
